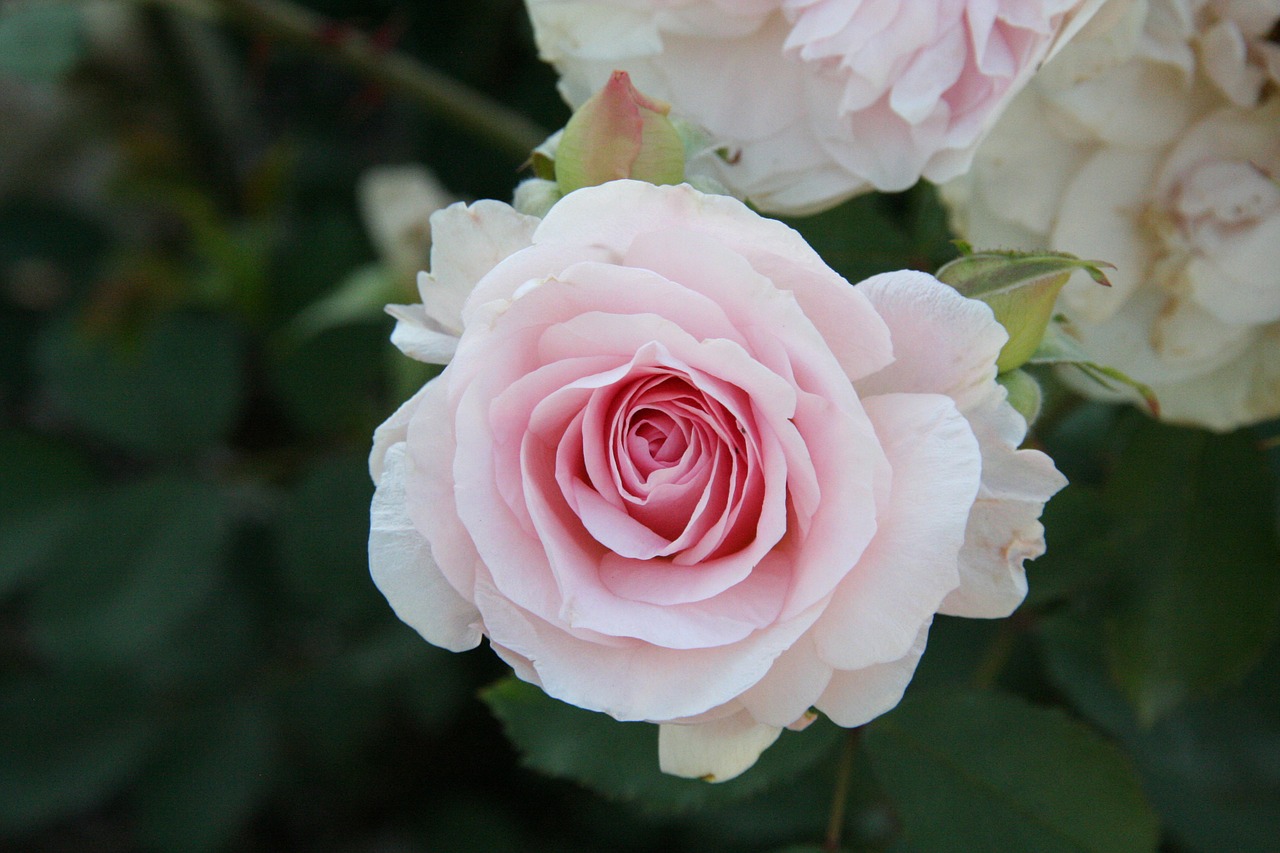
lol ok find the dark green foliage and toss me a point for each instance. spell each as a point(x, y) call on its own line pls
point(982, 771)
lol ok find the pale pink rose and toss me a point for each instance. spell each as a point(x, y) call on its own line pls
point(679, 470)
point(811, 101)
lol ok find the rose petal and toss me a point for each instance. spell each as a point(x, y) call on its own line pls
point(943, 343)
point(403, 569)
point(715, 751)
point(633, 680)
point(794, 683)
point(855, 697)
point(910, 565)
point(466, 243)
point(419, 337)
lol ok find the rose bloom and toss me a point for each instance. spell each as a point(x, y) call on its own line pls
point(808, 102)
point(679, 470)
point(1152, 143)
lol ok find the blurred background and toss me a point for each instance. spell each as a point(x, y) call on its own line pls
point(203, 207)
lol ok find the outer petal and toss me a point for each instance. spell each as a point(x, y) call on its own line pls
point(466, 243)
point(419, 337)
point(714, 751)
point(613, 220)
point(631, 679)
point(943, 342)
point(406, 573)
point(910, 565)
point(392, 431)
point(858, 696)
point(1004, 527)
point(793, 685)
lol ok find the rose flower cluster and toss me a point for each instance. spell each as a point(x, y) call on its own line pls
point(807, 102)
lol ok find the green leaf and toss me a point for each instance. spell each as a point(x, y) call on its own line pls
point(1078, 534)
point(620, 760)
point(982, 771)
point(1199, 594)
point(38, 479)
point(206, 780)
point(1211, 768)
point(323, 538)
point(1071, 645)
point(360, 297)
point(141, 558)
point(40, 41)
point(69, 740)
point(1214, 773)
point(330, 384)
point(176, 389)
point(979, 275)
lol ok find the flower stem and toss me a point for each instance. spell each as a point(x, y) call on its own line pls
point(998, 653)
point(435, 92)
point(840, 796)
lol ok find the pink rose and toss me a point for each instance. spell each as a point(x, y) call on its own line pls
point(814, 100)
point(679, 470)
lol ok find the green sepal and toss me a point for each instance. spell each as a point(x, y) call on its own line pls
point(1059, 348)
point(1021, 288)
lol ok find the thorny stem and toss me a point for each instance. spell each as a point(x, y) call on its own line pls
point(840, 796)
point(435, 92)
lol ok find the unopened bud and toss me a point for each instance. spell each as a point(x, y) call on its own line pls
point(1021, 289)
point(619, 133)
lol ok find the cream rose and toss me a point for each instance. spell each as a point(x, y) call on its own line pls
point(808, 102)
point(678, 470)
point(1131, 147)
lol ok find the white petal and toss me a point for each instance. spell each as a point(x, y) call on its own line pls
point(391, 432)
point(715, 751)
point(855, 697)
point(943, 343)
point(402, 566)
point(1100, 217)
point(1004, 525)
point(419, 337)
point(466, 243)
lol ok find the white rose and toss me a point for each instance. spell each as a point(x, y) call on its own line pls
point(1143, 160)
point(808, 102)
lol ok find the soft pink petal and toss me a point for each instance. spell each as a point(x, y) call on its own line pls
point(615, 221)
point(631, 679)
point(794, 683)
point(910, 565)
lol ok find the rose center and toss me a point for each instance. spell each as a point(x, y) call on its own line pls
point(1224, 196)
point(656, 441)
